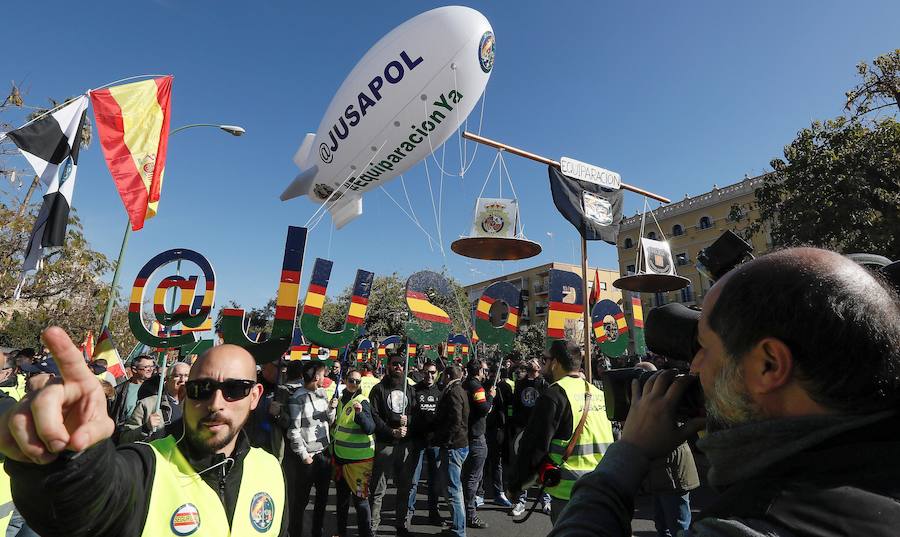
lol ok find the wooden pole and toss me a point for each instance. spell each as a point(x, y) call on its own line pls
point(550, 162)
point(31, 189)
point(587, 310)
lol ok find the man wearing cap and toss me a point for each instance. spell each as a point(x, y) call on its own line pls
point(207, 481)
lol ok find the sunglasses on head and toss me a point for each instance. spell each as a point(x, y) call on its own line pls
point(232, 389)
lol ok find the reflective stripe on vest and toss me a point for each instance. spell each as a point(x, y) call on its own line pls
point(181, 503)
point(350, 443)
point(595, 437)
point(366, 383)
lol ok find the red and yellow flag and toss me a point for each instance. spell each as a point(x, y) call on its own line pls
point(107, 351)
point(133, 125)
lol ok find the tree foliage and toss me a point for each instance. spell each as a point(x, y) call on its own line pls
point(879, 87)
point(838, 185)
point(529, 343)
point(68, 291)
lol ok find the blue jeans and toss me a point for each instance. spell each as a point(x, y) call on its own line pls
point(671, 513)
point(432, 455)
point(451, 468)
point(473, 472)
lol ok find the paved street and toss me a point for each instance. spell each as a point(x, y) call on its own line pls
point(500, 523)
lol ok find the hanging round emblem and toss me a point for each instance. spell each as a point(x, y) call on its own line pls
point(262, 512)
point(185, 520)
point(529, 397)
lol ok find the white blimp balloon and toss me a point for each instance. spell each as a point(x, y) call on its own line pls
point(404, 98)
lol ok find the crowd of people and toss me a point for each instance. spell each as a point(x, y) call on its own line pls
point(799, 353)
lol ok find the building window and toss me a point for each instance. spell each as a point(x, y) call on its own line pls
point(681, 259)
point(705, 223)
point(629, 270)
point(660, 299)
point(651, 235)
point(628, 243)
point(687, 293)
point(603, 286)
point(677, 230)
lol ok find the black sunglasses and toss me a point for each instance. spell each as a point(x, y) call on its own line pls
point(397, 364)
point(232, 389)
point(354, 381)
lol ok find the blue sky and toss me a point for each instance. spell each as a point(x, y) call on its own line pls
point(675, 96)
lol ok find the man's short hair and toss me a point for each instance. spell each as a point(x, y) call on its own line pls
point(566, 353)
point(452, 372)
point(311, 369)
point(840, 323)
point(473, 367)
point(141, 357)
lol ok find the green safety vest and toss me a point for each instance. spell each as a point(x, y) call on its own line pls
point(350, 443)
point(509, 405)
point(181, 503)
point(17, 392)
point(592, 444)
point(366, 383)
point(6, 502)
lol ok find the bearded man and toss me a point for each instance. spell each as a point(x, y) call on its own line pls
point(208, 481)
point(799, 359)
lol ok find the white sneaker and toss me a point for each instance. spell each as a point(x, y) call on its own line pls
point(545, 507)
point(518, 509)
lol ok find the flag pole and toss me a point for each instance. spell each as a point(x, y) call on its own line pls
point(550, 162)
point(587, 310)
point(115, 281)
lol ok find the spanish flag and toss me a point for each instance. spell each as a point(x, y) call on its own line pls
point(133, 125)
point(107, 351)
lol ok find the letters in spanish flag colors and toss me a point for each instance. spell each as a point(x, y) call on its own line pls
point(315, 300)
point(430, 324)
point(610, 328)
point(566, 304)
point(503, 333)
point(192, 312)
point(285, 306)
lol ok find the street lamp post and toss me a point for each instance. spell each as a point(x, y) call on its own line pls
point(234, 130)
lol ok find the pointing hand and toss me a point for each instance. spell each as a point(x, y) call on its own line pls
point(69, 413)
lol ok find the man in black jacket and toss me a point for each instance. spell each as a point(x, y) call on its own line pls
point(480, 401)
point(424, 450)
point(798, 360)
point(453, 438)
point(59, 453)
point(129, 393)
point(391, 409)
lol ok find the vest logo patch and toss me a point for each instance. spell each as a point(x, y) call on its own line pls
point(185, 520)
point(262, 512)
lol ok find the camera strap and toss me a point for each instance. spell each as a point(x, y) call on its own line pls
point(577, 434)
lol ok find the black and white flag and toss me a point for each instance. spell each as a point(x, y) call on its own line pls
point(51, 146)
point(593, 210)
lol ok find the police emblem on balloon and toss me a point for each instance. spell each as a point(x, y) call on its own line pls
point(486, 52)
point(262, 511)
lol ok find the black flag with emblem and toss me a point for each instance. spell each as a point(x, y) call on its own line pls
point(51, 146)
point(593, 210)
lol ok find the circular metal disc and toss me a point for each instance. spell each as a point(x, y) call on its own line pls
point(651, 283)
point(495, 248)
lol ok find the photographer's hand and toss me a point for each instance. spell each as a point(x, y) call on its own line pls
point(651, 425)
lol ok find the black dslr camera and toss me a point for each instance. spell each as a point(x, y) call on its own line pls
point(671, 331)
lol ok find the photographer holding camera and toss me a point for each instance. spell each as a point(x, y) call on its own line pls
point(799, 360)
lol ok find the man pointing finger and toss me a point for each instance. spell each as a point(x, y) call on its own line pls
point(208, 481)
